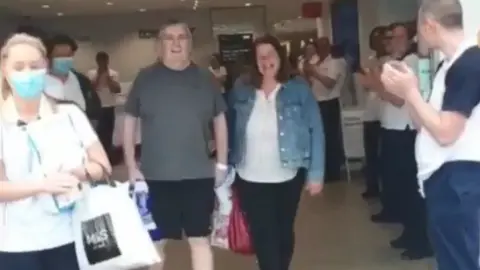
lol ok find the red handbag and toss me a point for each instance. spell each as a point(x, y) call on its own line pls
point(239, 240)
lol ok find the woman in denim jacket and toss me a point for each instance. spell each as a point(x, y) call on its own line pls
point(276, 133)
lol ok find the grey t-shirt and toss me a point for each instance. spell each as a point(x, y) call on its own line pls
point(176, 109)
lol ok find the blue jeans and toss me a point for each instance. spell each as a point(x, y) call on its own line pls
point(61, 258)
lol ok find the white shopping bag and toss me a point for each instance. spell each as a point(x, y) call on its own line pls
point(221, 214)
point(109, 232)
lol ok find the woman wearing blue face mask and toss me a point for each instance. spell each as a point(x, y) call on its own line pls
point(46, 150)
point(62, 83)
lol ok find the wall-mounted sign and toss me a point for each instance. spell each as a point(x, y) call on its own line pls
point(235, 47)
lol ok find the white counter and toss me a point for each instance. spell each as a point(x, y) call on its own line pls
point(353, 132)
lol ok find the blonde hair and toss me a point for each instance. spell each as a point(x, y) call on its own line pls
point(16, 39)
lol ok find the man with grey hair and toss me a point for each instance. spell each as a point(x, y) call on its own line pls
point(177, 103)
point(447, 146)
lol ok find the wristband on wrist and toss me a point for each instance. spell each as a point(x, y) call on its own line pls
point(221, 166)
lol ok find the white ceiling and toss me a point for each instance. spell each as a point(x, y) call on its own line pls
point(83, 7)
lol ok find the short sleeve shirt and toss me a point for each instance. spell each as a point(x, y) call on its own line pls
point(176, 108)
point(334, 68)
point(56, 141)
point(68, 90)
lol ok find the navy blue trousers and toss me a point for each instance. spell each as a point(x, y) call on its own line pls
point(398, 171)
point(371, 142)
point(61, 258)
point(453, 205)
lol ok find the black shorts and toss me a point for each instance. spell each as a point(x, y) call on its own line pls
point(60, 258)
point(184, 206)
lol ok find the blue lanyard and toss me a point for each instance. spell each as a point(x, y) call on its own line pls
point(33, 152)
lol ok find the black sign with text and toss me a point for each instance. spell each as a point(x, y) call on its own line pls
point(235, 47)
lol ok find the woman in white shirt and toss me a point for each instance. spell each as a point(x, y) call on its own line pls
point(47, 149)
point(276, 132)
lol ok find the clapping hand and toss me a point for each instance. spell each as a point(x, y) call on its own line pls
point(370, 80)
point(399, 79)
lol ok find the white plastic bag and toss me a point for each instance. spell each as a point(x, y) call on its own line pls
point(109, 233)
point(221, 214)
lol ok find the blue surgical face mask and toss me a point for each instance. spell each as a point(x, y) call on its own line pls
point(28, 84)
point(62, 65)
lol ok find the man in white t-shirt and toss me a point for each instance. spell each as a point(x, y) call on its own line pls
point(371, 117)
point(105, 82)
point(327, 77)
point(448, 144)
point(400, 199)
point(61, 82)
point(218, 71)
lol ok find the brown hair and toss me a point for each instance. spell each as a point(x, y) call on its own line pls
point(284, 72)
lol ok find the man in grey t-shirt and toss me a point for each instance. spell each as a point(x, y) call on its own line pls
point(178, 103)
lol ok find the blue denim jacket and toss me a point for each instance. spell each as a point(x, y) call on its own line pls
point(300, 127)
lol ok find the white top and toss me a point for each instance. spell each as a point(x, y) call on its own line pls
point(68, 90)
point(34, 223)
point(429, 154)
point(373, 103)
point(262, 157)
point(373, 106)
point(398, 118)
point(219, 73)
point(334, 68)
point(107, 98)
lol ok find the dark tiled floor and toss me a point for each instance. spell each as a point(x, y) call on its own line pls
point(333, 233)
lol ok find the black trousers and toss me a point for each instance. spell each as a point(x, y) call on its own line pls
point(371, 142)
point(334, 154)
point(270, 211)
point(105, 128)
point(400, 194)
point(61, 258)
point(398, 170)
point(453, 204)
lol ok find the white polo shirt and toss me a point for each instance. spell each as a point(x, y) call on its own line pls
point(373, 103)
point(262, 162)
point(334, 68)
point(107, 98)
point(455, 88)
point(68, 90)
point(30, 152)
point(398, 118)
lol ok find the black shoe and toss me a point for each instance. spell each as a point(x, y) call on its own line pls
point(400, 243)
point(367, 195)
point(383, 218)
point(414, 254)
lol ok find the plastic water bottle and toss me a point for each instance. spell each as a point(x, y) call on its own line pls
point(141, 195)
